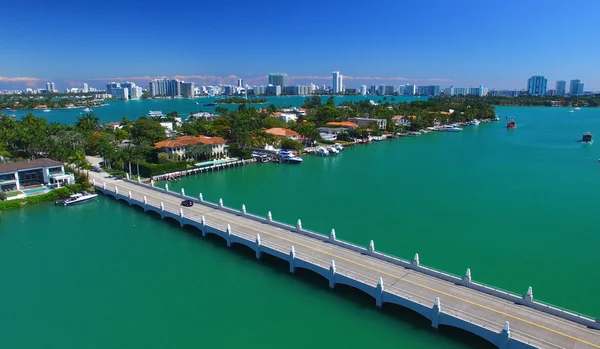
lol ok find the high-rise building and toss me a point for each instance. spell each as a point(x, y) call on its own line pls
point(373, 90)
point(430, 90)
point(165, 87)
point(273, 90)
point(576, 88)
point(112, 85)
point(537, 85)
point(187, 89)
point(410, 90)
point(240, 83)
point(85, 88)
point(50, 87)
point(449, 91)
point(561, 88)
point(363, 90)
point(461, 91)
point(120, 93)
point(278, 79)
point(135, 92)
point(389, 90)
point(337, 86)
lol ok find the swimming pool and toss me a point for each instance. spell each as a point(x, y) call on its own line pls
point(215, 162)
point(35, 191)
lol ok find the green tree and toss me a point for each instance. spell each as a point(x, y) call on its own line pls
point(199, 151)
point(331, 101)
point(88, 123)
point(147, 130)
point(287, 143)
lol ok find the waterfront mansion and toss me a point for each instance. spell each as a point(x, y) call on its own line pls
point(178, 147)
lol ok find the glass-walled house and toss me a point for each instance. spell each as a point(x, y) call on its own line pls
point(25, 174)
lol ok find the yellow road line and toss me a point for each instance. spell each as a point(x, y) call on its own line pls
point(417, 284)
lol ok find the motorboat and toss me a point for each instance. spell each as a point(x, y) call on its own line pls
point(577, 108)
point(322, 151)
point(77, 199)
point(338, 146)
point(475, 122)
point(290, 158)
point(449, 128)
point(46, 110)
point(87, 110)
point(332, 150)
point(155, 114)
point(511, 124)
point(571, 111)
point(587, 138)
point(210, 104)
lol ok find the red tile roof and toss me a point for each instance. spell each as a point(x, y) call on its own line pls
point(342, 124)
point(184, 141)
point(282, 132)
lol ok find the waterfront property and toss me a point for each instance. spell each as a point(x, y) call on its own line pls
point(504, 319)
point(20, 175)
point(331, 133)
point(178, 147)
point(280, 132)
point(382, 123)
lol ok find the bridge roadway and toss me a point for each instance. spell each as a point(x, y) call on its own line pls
point(459, 306)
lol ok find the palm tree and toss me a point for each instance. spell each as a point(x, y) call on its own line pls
point(199, 150)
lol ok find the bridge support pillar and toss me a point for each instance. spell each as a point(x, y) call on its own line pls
point(152, 183)
point(269, 217)
point(292, 260)
point(129, 197)
point(258, 246)
point(145, 203)
point(415, 261)
point(435, 313)
point(529, 295)
point(94, 182)
point(203, 224)
point(200, 197)
point(127, 175)
point(181, 217)
point(228, 233)
point(379, 293)
point(372, 246)
point(299, 226)
point(139, 179)
point(332, 235)
point(166, 186)
point(220, 202)
point(467, 277)
point(182, 193)
point(162, 210)
point(116, 190)
point(332, 274)
point(103, 186)
point(243, 209)
point(505, 336)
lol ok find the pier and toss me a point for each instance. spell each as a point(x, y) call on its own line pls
point(204, 169)
point(507, 320)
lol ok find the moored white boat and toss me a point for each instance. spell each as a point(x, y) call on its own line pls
point(449, 128)
point(77, 198)
point(322, 151)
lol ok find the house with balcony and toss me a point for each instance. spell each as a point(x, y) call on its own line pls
point(26, 174)
point(280, 132)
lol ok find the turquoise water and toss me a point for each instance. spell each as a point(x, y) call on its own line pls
point(518, 207)
point(115, 110)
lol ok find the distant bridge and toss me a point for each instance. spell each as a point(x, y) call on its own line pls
point(507, 320)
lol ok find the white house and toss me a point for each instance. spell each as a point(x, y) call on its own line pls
point(287, 117)
point(177, 147)
point(18, 175)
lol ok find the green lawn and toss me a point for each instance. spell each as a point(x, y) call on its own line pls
point(11, 194)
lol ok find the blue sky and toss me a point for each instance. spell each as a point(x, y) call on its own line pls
point(461, 42)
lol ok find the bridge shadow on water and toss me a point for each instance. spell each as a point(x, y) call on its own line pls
point(348, 295)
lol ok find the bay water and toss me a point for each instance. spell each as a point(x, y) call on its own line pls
point(519, 207)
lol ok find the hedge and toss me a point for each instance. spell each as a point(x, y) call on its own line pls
point(56, 194)
point(148, 170)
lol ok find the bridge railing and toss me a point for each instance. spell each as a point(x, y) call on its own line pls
point(478, 286)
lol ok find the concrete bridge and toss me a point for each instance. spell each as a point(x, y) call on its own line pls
point(506, 320)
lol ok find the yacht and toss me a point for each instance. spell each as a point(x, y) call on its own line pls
point(77, 198)
point(290, 158)
point(511, 124)
point(332, 150)
point(210, 104)
point(475, 122)
point(87, 110)
point(322, 151)
point(571, 111)
point(46, 110)
point(449, 128)
point(338, 146)
point(155, 114)
point(577, 108)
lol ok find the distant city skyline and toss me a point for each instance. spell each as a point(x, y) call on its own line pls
point(228, 41)
point(199, 80)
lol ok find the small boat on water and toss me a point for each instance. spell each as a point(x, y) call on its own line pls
point(77, 199)
point(577, 108)
point(210, 104)
point(290, 158)
point(332, 150)
point(46, 110)
point(587, 138)
point(475, 122)
point(87, 110)
point(496, 118)
point(511, 124)
point(571, 111)
point(338, 146)
point(321, 151)
point(449, 128)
